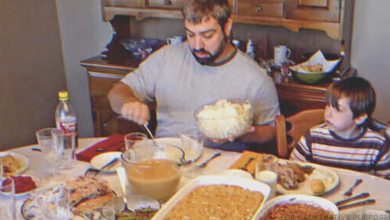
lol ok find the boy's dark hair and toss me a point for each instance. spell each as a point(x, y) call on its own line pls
point(360, 93)
point(195, 11)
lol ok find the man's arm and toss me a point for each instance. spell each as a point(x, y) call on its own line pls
point(260, 134)
point(124, 102)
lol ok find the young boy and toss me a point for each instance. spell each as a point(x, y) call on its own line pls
point(345, 140)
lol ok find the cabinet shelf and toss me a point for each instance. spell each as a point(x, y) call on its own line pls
point(332, 29)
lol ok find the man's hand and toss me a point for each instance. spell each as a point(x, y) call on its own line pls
point(136, 111)
point(231, 139)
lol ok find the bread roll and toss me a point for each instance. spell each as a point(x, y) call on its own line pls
point(317, 186)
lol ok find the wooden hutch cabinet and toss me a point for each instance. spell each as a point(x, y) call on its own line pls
point(334, 17)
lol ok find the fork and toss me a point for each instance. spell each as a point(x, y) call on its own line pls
point(93, 172)
point(245, 166)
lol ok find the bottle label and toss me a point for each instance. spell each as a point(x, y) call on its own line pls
point(67, 127)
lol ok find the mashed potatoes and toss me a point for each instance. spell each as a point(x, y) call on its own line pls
point(224, 119)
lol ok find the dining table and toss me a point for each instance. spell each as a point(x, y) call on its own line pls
point(38, 167)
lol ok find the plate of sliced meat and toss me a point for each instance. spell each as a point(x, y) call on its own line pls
point(305, 178)
point(86, 195)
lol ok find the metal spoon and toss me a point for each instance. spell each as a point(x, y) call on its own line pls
point(122, 180)
point(151, 135)
point(196, 170)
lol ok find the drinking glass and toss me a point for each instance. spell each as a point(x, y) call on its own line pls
point(266, 171)
point(45, 142)
point(8, 207)
point(131, 138)
point(192, 145)
point(64, 148)
point(57, 206)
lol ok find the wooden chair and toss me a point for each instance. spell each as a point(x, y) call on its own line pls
point(290, 129)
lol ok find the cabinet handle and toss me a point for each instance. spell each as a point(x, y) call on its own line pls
point(167, 2)
point(258, 8)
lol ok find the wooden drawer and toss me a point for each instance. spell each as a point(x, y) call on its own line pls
point(125, 3)
point(314, 10)
point(166, 4)
point(260, 8)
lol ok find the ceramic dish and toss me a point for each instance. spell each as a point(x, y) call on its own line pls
point(301, 199)
point(100, 160)
point(246, 183)
point(22, 160)
point(237, 173)
point(370, 214)
point(326, 175)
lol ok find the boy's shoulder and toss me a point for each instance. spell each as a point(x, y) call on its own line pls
point(371, 134)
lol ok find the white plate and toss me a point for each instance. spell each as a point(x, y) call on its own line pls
point(191, 154)
point(246, 183)
point(100, 160)
point(236, 173)
point(24, 161)
point(328, 177)
point(305, 199)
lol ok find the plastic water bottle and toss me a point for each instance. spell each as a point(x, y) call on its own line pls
point(65, 115)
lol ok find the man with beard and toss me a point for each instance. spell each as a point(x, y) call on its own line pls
point(206, 68)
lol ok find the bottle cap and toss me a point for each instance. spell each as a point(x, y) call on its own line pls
point(63, 95)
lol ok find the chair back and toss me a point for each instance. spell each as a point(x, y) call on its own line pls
point(290, 129)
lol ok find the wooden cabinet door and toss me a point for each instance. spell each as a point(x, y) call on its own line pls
point(314, 10)
point(124, 3)
point(166, 4)
point(260, 8)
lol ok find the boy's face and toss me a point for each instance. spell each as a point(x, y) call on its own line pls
point(207, 40)
point(341, 121)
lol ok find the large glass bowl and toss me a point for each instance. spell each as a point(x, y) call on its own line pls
point(224, 119)
point(153, 170)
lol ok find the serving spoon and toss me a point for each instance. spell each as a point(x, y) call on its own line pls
point(151, 135)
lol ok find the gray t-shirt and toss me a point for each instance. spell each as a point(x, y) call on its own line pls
point(180, 85)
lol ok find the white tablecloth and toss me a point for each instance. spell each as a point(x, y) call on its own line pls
point(377, 187)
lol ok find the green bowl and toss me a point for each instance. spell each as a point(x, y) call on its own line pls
point(310, 78)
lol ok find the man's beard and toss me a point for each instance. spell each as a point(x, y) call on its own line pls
point(211, 57)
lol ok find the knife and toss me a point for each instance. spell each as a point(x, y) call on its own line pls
point(359, 196)
point(110, 164)
point(361, 203)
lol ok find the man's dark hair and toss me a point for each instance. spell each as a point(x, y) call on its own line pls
point(360, 93)
point(195, 11)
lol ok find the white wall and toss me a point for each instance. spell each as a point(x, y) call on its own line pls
point(371, 50)
point(83, 35)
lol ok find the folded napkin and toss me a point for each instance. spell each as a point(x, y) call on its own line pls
point(240, 162)
point(112, 143)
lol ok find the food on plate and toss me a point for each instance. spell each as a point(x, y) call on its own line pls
point(317, 186)
point(297, 211)
point(291, 174)
point(217, 202)
point(86, 194)
point(317, 68)
point(224, 119)
point(22, 183)
point(11, 165)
